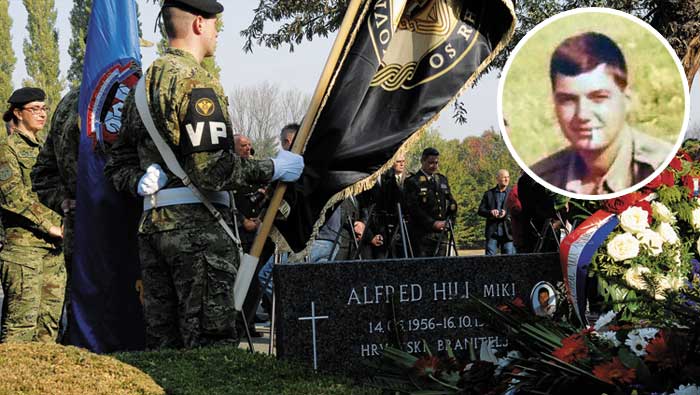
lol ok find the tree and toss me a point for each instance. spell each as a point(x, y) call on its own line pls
point(7, 55)
point(296, 21)
point(41, 49)
point(79, 18)
point(260, 112)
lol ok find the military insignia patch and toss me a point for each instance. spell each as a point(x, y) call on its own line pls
point(204, 106)
point(422, 179)
point(5, 172)
point(204, 127)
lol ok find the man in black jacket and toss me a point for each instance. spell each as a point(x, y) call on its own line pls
point(493, 208)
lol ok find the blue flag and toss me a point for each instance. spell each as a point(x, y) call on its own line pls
point(106, 312)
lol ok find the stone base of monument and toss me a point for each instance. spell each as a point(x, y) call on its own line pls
point(335, 316)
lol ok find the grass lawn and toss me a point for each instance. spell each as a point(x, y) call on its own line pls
point(229, 370)
point(40, 369)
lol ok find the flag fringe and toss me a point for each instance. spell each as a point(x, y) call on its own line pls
point(368, 182)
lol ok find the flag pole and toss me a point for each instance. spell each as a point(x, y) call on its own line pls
point(299, 143)
point(305, 128)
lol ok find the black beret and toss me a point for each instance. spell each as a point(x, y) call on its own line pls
point(26, 95)
point(198, 7)
point(430, 151)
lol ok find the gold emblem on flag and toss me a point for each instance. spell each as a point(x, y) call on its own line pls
point(204, 106)
point(429, 40)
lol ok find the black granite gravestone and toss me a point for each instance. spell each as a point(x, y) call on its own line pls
point(332, 316)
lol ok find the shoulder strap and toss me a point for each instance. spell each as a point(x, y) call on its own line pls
point(171, 161)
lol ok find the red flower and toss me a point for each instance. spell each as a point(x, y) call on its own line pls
point(690, 184)
point(573, 348)
point(518, 302)
point(658, 351)
point(614, 372)
point(427, 365)
point(684, 155)
point(676, 164)
point(665, 178)
point(618, 205)
point(646, 206)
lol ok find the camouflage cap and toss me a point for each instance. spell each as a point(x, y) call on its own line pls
point(198, 7)
point(26, 95)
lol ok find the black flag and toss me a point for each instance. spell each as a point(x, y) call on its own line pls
point(403, 62)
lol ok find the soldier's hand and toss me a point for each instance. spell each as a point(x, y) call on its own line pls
point(250, 225)
point(288, 166)
point(503, 214)
point(439, 225)
point(377, 240)
point(494, 213)
point(359, 228)
point(152, 181)
point(139, 289)
point(55, 231)
point(67, 206)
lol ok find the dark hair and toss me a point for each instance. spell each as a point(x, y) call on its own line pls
point(583, 53)
point(289, 128)
point(430, 151)
point(9, 115)
point(542, 290)
point(168, 25)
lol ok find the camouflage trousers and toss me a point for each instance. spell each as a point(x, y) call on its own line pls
point(34, 281)
point(188, 278)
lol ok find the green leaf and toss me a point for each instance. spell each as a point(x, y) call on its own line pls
point(629, 359)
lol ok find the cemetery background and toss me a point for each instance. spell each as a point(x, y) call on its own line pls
point(183, 372)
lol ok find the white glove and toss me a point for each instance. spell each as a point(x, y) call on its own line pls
point(288, 166)
point(152, 181)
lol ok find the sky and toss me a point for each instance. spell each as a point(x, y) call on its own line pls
point(290, 70)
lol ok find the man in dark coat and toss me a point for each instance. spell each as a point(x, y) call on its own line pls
point(493, 208)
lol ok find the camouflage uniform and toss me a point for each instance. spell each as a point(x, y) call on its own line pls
point(54, 176)
point(428, 200)
point(188, 262)
point(33, 272)
point(639, 155)
point(55, 173)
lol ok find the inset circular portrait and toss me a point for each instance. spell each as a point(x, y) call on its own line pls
point(593, 103)
point(543, 299)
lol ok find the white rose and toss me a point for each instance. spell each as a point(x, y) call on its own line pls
point(623, 246)
point(634, 219)
point(667, 283)
point(662, 213)
point(670, 282)
point(695, 218)
point(666, 231)
point(652, 240)
point(633, 277)
point(697, 245)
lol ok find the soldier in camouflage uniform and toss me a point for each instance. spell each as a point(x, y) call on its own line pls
point(54, 176)
point(33, 272)
point(188, 262)
point(429, 205)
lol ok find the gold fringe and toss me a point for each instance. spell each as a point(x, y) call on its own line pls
point(368, 182)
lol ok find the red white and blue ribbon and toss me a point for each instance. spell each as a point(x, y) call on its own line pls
point(576, 252)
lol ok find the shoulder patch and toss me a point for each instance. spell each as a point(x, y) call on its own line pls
point(5, 172)
point(204, 127)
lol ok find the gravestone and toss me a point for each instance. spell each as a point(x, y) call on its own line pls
point(333, 316)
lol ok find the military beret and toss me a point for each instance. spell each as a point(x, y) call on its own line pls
point(26, 95)
point(430, 151)
point(199, 7)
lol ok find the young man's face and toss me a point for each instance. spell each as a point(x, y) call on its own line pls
point(590, 107)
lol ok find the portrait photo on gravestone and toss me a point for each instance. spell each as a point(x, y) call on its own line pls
point(596, 102)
